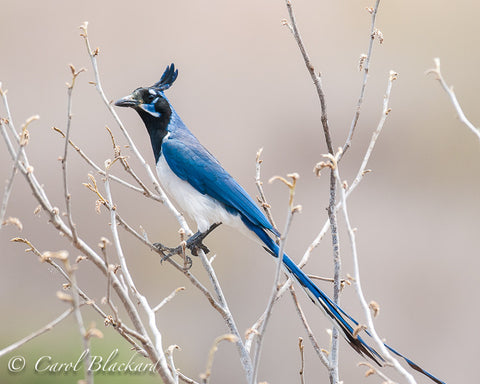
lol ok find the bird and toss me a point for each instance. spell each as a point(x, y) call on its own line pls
point(207, 193)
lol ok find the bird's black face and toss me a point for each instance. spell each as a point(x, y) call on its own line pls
point(150, 102)
point(146, 100)
point(154, 109)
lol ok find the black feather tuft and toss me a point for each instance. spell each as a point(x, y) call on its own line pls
point(168, 77)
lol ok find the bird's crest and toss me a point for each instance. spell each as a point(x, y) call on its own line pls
point(168, 77)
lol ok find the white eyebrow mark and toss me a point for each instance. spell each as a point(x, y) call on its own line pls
point(152, 92)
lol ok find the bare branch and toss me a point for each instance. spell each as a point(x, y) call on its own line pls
point(171, 362)
point(453, 98)
point(208, 371)
point(65, 153)
point(258, 182)
point(186, 379)
point(23, 141)
point(356, 278)
point(41, 331)
point(365, 66)
point(99, 170)
point(317, 79)
point(228, 318)
point(320, 352)
point(275, 288)
point(78, 316)
point(301, 348)
point(372, 370)
point(168, 298)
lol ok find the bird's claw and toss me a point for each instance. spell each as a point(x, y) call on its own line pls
point(169, 252)
point(194, 244)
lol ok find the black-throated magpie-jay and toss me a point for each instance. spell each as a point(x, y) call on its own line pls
point(208, 194)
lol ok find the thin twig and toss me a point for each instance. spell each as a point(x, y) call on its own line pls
point(317, 79)
point(453, 98)
point(365, 65)
point(276, 281)
point(168, 298)
point(111, 269)
point(320, 352)
point(208, 371)
point(366, 310)
point(228, 318)
point(186, 379)
point(35, 334)
point(356, 278)
point(22, 143)
point(301, 348)
point(100, 171)
point(171, 362)
point(78, 316)
point(130, 171)
point(258, 182)
point(372, 370)
point(68, 197)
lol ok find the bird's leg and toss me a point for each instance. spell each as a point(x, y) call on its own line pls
point(194, 242)
point(169, 252)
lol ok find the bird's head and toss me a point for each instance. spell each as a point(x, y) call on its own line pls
point(150, 101)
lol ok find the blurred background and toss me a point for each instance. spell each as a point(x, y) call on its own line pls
point(243, 85)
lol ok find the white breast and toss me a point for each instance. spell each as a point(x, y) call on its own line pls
point(201, 208)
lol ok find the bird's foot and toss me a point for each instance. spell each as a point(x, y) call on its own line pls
point(169, 252)
point(194, 243)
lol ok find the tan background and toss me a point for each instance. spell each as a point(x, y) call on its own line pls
point(243, 85)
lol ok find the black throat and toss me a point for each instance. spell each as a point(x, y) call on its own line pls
point(157, 128)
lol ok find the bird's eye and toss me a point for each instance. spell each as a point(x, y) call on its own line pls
point(151, 96)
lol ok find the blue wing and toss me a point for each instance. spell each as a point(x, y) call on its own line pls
point(191, 162)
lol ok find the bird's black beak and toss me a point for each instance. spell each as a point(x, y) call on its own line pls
point(127, 101)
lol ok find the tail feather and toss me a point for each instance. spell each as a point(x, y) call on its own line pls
point(337, 315)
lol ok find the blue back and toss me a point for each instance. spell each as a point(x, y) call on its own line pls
point(191, 162)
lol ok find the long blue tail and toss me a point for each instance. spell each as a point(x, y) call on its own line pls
point(337, 315)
